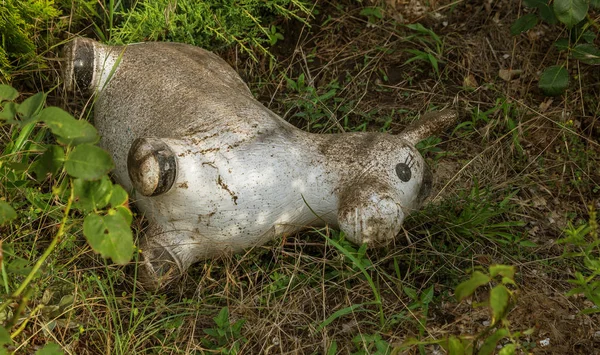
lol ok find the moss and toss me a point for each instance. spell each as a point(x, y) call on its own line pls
point(209, 24)
point(20, 24)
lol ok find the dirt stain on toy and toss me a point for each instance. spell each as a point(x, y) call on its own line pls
point(226, 188)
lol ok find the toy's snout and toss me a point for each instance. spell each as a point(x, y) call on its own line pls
point(372, 209)
point(375, 221)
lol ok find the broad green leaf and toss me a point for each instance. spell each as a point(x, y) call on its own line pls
point(570, 12)
point(508, 281)
point(119, 196)
point(523, 24)
point(587, 53)
point(410, 292)
point(49, 162)
point(466, 288)
point(92, 195)
point(124, 212)
point(9, 110)
point(562, 44)
point(595, 3)
point(455, 346)
point(4, 336)
point(503, 270)
point(88, 162)
point(422, 29)
point(499, 297)
point(588, 36)
point(7, 213)
point(509, 349)
point(31, 106)
point(222, 319)
point(16, 166)
point(427, 295)
point(591, 310)
point(382, 346)
point(534, 3)
point(547, 14)
point(546, 11)
point(65, 126)
point(554, 80)
point(489, 345)
point(7, 92)
point(50, 349)
point(110, 236)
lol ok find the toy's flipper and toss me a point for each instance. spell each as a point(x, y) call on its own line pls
point(152, 166)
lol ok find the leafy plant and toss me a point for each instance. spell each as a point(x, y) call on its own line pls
point(501, 299)
point(226, 337)
point(432, 44)
point(583, 29)
point(208, 24)
point(20, 22)
point(479, 213)
point(357, 260)
point(584, 239)
point(48, 349)
point(373, 13)
point(371, 344)
point(63, 180)
point(430, 147)
point(310, 103)
point(420, 303)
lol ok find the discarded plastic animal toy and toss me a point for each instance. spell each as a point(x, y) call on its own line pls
point(215, 171)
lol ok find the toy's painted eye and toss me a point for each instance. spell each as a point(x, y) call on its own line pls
point(403, 170)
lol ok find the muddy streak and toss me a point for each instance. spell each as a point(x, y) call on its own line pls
point(226, 188)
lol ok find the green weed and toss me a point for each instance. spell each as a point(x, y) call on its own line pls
point(226, 337)
point(431, 44)
point(208, 24)
point(578, 153)
point(583, 239)
point(312, 105)
point(21, 23)
point(371, 344)
point(373, 14)
point(52, 181)
point(501, 299)
point(357, 261)
point(579, 45)
point(479, 213)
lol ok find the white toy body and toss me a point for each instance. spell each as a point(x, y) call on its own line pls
point(215, 171)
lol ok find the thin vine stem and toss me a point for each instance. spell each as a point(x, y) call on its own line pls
point(47, 252)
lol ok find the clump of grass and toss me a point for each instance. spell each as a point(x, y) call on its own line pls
point(21, 25)
point(209, 24)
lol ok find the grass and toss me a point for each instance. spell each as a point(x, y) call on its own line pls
point(518, 171)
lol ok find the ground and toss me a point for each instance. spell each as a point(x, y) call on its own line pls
point(519, 167)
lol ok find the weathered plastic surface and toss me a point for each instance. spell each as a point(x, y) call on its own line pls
point(215, 171)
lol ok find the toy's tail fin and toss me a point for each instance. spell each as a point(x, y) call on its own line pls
point(88, 65)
